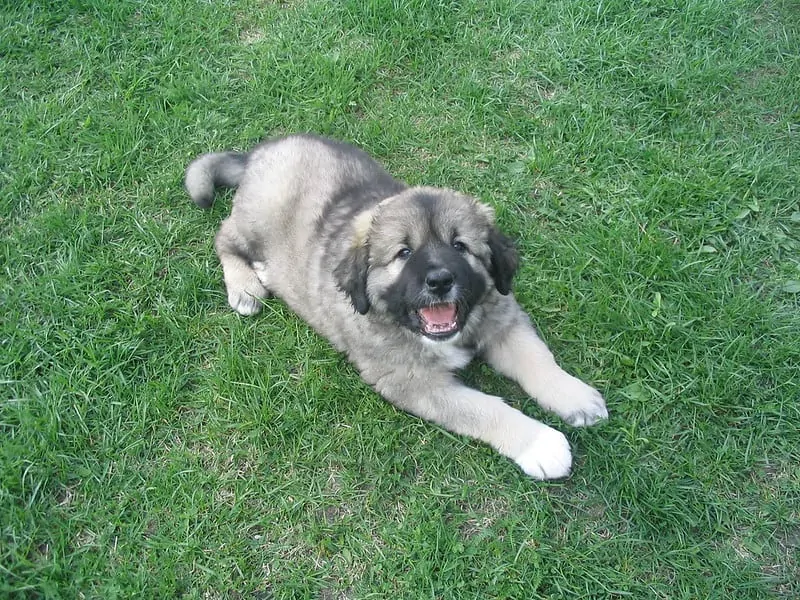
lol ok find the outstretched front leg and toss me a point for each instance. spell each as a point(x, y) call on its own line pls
point(541, 451)
point(522, 356)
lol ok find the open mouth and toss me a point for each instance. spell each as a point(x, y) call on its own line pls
point(438, 321)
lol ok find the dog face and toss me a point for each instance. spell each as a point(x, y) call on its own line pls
point(425, 258)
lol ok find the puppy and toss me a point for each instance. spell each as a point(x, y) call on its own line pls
point(409, 282)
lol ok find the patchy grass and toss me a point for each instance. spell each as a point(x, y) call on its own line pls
point(155, 444)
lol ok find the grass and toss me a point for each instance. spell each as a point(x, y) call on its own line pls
point(645, 155)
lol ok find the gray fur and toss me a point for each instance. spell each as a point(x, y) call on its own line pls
point(210, 171)
point(321, 225)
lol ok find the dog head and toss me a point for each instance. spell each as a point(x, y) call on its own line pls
point(425, 258)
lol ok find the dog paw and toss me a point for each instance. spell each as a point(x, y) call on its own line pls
point(245, 291)
point(593, 411)
point(243, 303)
point(579, 404)
point(548, 456)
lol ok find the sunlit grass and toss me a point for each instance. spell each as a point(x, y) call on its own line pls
point(155, 444)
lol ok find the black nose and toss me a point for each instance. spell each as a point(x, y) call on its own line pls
point(439, 281)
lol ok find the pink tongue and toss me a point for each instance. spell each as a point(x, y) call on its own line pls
point(443, 314)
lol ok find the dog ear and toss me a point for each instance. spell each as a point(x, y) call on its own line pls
point(351, 273)
point(505, 260)
point(351, 276)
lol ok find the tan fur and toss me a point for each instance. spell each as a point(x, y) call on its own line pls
point(320, 224)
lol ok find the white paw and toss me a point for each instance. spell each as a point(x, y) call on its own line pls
point(548, 457)
point(577, 403)
point(244, 303)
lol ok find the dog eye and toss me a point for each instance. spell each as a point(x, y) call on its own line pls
point(403, 253)
point(460, 246)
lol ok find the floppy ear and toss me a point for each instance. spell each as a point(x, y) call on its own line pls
point(505, 260)
point(351, 273)
point(351, 277)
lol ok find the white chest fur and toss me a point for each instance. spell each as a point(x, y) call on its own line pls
point(449, 353)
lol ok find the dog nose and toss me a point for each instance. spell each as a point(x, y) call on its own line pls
point(439, 281)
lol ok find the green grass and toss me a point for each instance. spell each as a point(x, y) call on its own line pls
point(154, 444)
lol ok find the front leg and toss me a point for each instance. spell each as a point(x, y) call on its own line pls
point(541, 451)
point(522, 356)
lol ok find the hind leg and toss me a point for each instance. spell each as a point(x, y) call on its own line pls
point(245, 289)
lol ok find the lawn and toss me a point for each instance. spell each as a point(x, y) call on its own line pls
point(645, 156)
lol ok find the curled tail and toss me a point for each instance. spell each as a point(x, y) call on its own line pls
point(210, 171)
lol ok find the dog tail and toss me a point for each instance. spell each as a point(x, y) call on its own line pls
point(210, 171)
